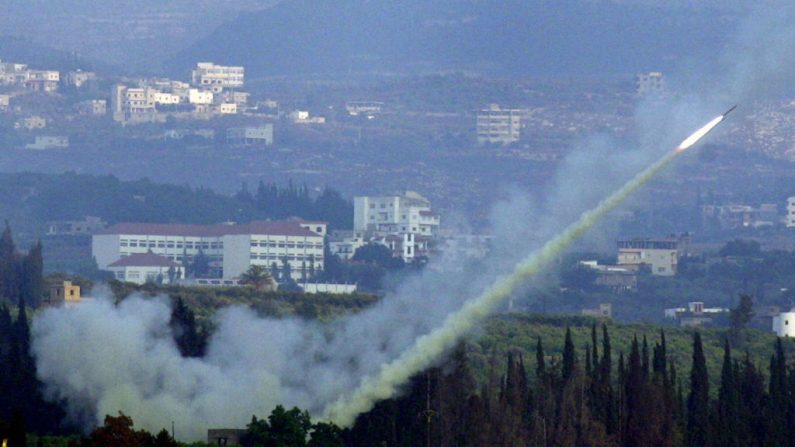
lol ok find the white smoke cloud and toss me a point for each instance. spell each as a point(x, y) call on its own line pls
point(102, 358)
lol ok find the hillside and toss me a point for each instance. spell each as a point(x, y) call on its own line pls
point(516, 332)
point(28, 201)
point(537, 37)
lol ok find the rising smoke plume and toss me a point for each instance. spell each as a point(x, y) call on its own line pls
point(101, 358)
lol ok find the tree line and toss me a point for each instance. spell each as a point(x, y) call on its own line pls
point(21, 275)
point(590, 400)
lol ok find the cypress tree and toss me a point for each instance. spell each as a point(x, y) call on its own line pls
point(726, 414)
point(594, 352)
point(31, 284)
point(540, 362)
point(9, 274)
point(606, 397)
point(569, 359)
point(778, 397)
point(698, 398)
point(645, 359)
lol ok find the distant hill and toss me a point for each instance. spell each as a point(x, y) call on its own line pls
point(25, 51)
point(523, 37)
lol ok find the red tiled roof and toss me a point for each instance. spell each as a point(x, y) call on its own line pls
point(144, 260)
point(281, 228)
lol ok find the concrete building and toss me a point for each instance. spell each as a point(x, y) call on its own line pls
point(695, 314)
point(310, 287)
point(79, 78)
point(42, 80)
point(167, 98)
point(196, 96)
point(498, 126)
point(604, 310)
point(406, 213)
point(31, 123)
point(303, 117)
point(649, 84)
point(226, 109)
point(136, 104)
point(790, 212)
point(366, 108)
point(230, 248)
point(250, 135)
point(63, 294)
point(403, 223)
point(784, 324)
point(225, 436)
point(661, 256)
point(44, 142)
point(209, 75)
point(140, 268)
point(733, 216)
point(92, 107)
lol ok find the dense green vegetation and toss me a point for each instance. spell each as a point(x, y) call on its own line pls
point(204, 301)
point(28, 201)
point(715, 278)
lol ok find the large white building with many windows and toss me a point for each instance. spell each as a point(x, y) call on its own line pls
point(403, 223)
point(406, 213)
point(230, 248)
point(209, 75)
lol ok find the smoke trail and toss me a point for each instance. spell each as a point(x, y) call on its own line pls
point(430, 346)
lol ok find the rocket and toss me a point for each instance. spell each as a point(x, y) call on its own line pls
point(701, 133)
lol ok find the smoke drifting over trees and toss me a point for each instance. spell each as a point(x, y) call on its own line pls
point(101, 358)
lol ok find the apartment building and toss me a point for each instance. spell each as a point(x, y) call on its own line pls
point(403, 223)
point(496, 125)
point(406, 213)
point(230, 248)
point(250, 136)
point(217, 77)
point(661, 256)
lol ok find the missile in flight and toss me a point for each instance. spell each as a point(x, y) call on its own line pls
point(701, 133)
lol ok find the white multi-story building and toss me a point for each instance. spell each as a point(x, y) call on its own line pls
point(218, 77)
point(660, 255)
point(196, 96)
point(498, 126)
point(166, 98)
point(42, 80)
point(231, 249)
point(784, 324)
point(406, 213)
point(140, 268)
point(404, 223)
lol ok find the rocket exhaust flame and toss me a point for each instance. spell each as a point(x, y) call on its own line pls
point(428, 347)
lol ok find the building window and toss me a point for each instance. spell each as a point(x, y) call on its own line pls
point(133, 243)
point(161, 244)
point(319, 230)
point(123, 243)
